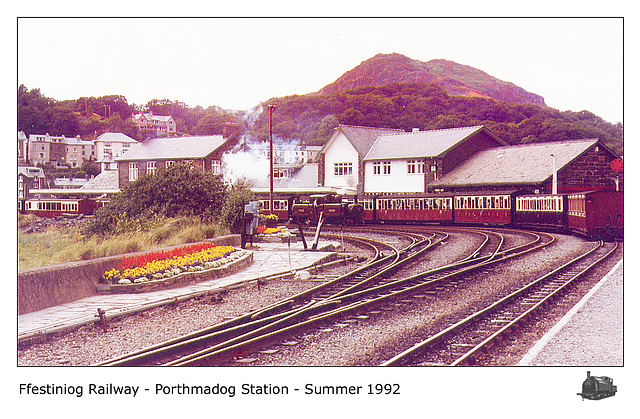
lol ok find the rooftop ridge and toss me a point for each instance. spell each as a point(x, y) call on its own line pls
point(543, 143)
point(362, 126)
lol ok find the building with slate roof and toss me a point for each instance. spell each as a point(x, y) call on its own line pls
point(581, 165)
point(58, 151)
point(109, 146)
point(341, 158)
point(408, 162)
point(29, 178)
point(203, 152)
point(151, 124)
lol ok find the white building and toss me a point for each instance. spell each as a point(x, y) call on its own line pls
point(109, 146)
point(341, 158)
point(409, 162)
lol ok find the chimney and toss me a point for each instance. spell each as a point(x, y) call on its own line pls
point(588, 374)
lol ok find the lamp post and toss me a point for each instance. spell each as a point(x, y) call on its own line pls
point(271, 107)
point(554, 185)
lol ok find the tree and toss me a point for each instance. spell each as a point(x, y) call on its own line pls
point(180, 190)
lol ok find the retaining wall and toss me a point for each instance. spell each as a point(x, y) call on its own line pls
point(59, 284)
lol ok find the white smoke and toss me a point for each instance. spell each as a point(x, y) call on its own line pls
point(248, 165)
point(249, 160)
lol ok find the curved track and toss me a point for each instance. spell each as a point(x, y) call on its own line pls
point(461, 342)
point(367, 286)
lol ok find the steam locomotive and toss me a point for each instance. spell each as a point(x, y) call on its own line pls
point(596, 388)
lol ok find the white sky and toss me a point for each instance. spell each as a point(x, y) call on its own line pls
point(574, 63)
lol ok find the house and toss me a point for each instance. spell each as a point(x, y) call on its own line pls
point(341, 158)
point(78, 151)
point(154, 124)
point(154, 154)
point(580, 164)
point(22, 143)
point(29, 178)
point(58, 151)
point(109, 146)
point(408, 162)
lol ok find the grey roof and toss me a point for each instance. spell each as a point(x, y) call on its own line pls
point(152, 117)
point(523, 164)
point(433, 143)
point(115, 137)
point(173, 148)
point(104, 181)
point(31, 171)
point(306, 177)
point(362, 138)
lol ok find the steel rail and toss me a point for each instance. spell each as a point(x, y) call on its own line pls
point(223, 354)
point(458, 326)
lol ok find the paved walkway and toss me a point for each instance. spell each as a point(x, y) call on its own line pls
point(268, 259)
point(590, 333)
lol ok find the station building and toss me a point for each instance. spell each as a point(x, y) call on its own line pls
point(580, 165)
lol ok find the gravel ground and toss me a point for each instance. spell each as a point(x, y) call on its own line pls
point(363, 341)
point(390, 330)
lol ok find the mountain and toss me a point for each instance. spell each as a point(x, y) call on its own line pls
point(455, 79)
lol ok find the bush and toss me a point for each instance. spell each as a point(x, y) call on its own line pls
point(233, 207)
point(180, 190)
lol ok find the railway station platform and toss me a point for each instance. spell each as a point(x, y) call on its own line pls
point(269, 259)
point(591, 333)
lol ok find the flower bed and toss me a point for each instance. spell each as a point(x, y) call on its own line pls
point(273, 234)
point(175, 266)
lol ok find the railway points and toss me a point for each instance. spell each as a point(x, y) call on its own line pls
point(269, 259)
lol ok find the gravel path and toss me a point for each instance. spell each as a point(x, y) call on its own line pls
point(357, 341)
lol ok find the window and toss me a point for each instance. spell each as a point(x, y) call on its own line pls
point(280, 173)
point(133, 171)
point(216, 167)
point(168, 164)
point(415, 167)
point(151, 167)
point(377, 168)
point(343, 169)
point(386, 167)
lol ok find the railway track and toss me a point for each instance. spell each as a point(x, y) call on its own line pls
point(461, 342)
point(368, 286)
point(385, 260)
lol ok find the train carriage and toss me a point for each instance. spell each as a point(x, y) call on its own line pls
point(428, 208)
point(541, 211)
point(52, 207)
point(491, 208)
point(280, 208)
point(596, 214)
point(368, 213)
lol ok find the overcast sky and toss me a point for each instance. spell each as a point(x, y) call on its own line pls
point(575, 64)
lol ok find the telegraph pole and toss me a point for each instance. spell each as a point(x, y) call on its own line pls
point(271, 107)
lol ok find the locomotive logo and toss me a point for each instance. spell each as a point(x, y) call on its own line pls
point(617, 165)
point(596, 388)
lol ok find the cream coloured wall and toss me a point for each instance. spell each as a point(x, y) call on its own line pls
point(340, 151)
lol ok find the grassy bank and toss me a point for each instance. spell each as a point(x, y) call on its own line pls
point(68, 244)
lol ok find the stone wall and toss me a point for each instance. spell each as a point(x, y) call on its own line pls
point(59, 284)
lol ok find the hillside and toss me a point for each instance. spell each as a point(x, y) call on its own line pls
point(455, 79)
point(311, 118)
point(387, 91)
